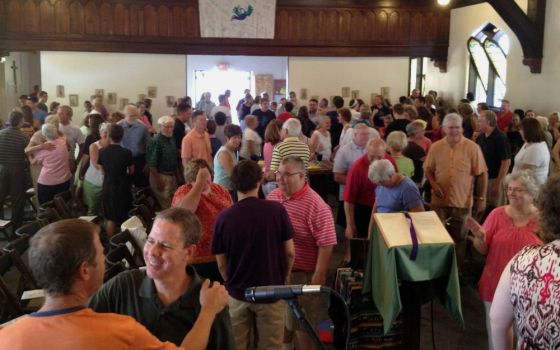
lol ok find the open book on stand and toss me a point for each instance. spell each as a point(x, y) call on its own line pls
point(395, 228)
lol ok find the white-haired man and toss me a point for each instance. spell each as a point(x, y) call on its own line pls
point(452, 166)
point(291, 145)
point(163, 162)
point(135, 139)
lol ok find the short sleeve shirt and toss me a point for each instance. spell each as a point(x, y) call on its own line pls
point(135, 137)
point(455, 169)
point(196, 145)
point(402, 197)
point(162, 153)
point(495, 149)
point(345, 157)
point(251, 234)
point(313, 225)
point(359, 189)
point(291, 146)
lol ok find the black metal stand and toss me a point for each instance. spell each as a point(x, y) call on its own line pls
point(300, 315)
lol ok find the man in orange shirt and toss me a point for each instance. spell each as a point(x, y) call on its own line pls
point(67, 259)
point(453, 165)
point(196, 144)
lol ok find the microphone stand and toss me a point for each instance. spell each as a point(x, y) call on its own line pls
point(300, 315)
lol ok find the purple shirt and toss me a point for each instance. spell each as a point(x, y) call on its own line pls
point(251, 233)
point(56, 168)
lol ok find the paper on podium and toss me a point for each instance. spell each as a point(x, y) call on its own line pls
point(395, 228)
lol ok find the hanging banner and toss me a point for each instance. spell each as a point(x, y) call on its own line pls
point(253, 19)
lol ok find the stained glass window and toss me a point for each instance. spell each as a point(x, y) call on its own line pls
point(488, 64)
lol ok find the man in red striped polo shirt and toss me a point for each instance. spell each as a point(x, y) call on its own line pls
point(314, 238)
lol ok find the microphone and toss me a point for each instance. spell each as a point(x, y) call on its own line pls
point(281, 292)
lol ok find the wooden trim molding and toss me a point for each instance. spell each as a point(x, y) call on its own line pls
point(314, 28)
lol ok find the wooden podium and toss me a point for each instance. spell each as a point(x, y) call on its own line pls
point(413, 251)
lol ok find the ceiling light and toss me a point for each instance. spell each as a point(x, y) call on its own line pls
point(443, 2)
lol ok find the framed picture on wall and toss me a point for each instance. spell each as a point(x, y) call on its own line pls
point(355, 94)
point(385, 91)
point(123, 102)
point(345, 92)
point(74, 100)
point(112, 98)
point(141, 97)
point(60, 91)
point(99, 92)
point(152, 91)
point(170, 100)
point(303, 94)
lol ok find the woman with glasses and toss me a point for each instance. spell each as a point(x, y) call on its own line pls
point(506, 231)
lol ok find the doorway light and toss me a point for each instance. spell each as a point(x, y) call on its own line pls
point(443, 2)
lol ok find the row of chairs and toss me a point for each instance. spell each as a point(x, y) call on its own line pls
point(14, 268)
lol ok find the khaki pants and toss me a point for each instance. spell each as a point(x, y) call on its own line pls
point(170, 185)
point(266, 320)
point(499, 199)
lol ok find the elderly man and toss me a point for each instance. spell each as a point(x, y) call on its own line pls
point(314, 236)
point(196, 144)
point(253, 244)
point(452, 166)
point(359, 194)
point(221, 108)
point(14, 168)
point(74, 136)
point(165, 297)
point(205, 104)
point(67, 259)
point(135, 139)
point(497, 154)
point(163, 163)
point(345, 157)
point(291, 145)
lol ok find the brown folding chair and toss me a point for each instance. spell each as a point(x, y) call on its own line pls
point(124, 237)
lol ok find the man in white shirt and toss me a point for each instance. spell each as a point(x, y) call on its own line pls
point(222, 108)
point(74, 136)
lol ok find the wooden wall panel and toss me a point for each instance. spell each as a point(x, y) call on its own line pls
point(310, 28)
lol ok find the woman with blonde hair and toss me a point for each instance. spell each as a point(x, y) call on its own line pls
point(321, 140)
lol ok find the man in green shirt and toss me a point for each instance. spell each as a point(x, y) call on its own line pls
point(165, 296)
point(162, 160)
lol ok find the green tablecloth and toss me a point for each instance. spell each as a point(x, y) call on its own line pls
point(385, 267)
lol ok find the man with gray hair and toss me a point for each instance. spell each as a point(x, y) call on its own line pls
point(497, 154)
point(452, 166)
point(163, 162)
point(74, 136)
point(291, 145)
point(135, 139)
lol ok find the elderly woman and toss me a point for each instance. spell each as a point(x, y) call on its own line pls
point(394, 192)
point(528, 292)
point(534, 154)
point(505, 232)
point(93, 176)
point(251, 145)
point(226, 157)
point(206, 199)
point(396, 143)
point(55, 174)
point(321, 140)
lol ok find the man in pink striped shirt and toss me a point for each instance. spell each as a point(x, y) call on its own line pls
point(314, 238)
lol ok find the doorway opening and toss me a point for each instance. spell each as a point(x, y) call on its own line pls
point(217, 81)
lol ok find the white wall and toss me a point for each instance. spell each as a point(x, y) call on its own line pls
point(257, 64)
point(525, 90)
point(325, 76)
point(126, 74)
point(27, 75)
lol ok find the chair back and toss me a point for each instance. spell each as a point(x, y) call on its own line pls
point(126, 238)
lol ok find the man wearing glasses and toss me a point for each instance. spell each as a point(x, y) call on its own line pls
point(314, 238)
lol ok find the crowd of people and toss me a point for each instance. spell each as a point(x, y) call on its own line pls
point(226, 216)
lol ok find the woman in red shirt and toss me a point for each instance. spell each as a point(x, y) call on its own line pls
point(506, 231)
point(206, 199)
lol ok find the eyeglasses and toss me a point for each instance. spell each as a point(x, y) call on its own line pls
point(286, 175)
point(515, 190)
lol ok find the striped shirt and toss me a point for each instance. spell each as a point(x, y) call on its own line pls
point(291, 146)
point(12, 144)
point(313, 225)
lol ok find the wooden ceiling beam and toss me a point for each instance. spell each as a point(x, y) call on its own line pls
point(529, 28)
